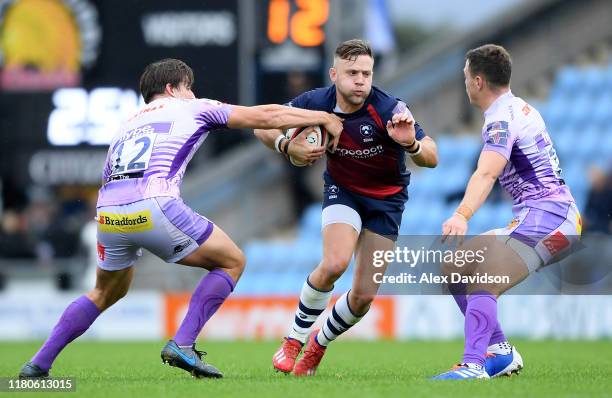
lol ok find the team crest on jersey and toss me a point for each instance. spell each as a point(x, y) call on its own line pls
point(367, 131)
point(497, 133)
point(333, 191)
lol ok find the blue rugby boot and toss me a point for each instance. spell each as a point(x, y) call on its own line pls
point(463, 371)
point(503, 360)
point(189, 359)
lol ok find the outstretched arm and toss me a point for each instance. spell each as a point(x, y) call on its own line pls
point(490, 165)
point(283, 117)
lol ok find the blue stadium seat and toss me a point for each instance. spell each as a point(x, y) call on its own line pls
point(446, 146)
point(466, 149)
point(310, 223)
point(425, 182)
point(253, 283)
point(575, 174)
point(586, 143)
point(306, 254)
point(593, 80)
point(483, 220)
point(412, 217)
point(502, 213)
point(271, 256)
point(564, 144)
point(580, 110)
point(422, 217)
point(256, 254)
point(607, 79)
point(410, 226)
point(455, 178)
point(432, 224)
point(557, 110)
point(282, 255)
point(541, 106)
point(287, 283)
point(568, 81)
point(344, 283)
point(296, 280)
point(580, 197)
point(602, 109)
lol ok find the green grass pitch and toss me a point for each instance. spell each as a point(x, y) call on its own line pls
point(350, 369)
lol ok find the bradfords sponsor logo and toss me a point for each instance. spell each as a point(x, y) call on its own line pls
point(133, 222)
point(361, 153)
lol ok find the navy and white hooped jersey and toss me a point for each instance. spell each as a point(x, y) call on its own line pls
point(367, 161)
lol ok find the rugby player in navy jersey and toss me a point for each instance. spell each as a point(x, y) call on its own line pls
point(364, 195)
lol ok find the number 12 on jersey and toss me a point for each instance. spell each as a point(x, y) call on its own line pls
point(133, 155)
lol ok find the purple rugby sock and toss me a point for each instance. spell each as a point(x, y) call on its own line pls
point(458, 291)
point(75, 320)
point(480, 321)
point(207, 297)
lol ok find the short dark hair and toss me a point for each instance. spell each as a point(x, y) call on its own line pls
point(157, 74)
point(353, 48)
point(492, 62)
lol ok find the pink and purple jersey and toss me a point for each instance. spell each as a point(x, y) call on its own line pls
point(149, 155)
point(516, 130)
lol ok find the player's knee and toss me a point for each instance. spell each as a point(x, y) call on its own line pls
point(334, 266)
point(240, 261)
point(234, 263)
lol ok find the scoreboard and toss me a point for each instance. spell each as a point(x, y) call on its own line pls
point(291, 47)
point(304, 25)
point(69, 72)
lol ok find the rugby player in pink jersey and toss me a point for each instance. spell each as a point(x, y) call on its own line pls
point(519, 152)
point(139, 206)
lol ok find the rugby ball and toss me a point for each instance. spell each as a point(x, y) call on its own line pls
point(317, 137)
